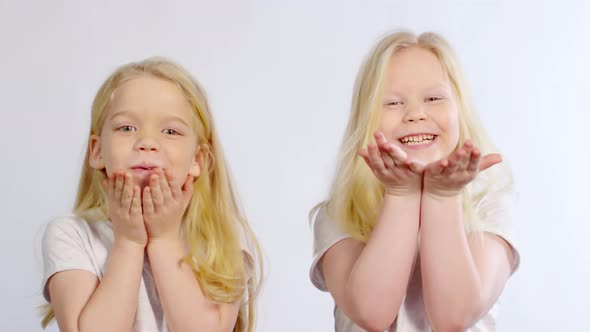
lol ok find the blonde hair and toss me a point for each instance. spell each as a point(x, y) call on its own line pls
point(356, 194)
point(212, 222)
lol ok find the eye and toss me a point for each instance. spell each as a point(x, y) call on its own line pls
point(126, 129)
point(430, 99)
point(170, 131)
point(394, 103)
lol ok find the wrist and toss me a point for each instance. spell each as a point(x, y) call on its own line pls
point(164, 243)
point(442, 195)
point(402, 194)
point(414, 191)
point(128, 245)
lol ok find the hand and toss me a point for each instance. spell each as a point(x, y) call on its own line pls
point(125, 208)
point(447, 177)
point(400, 175)
point(164, 206)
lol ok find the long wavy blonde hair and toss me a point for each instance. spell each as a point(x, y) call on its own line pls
point(356, 194)
point(213, 220)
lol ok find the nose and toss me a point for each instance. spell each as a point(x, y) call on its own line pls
point(147, 143)
point(414, 113)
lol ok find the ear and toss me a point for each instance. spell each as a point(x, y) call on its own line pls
point(198, 163)
point(95, 153)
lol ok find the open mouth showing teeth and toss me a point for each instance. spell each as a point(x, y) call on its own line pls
point(417, 139)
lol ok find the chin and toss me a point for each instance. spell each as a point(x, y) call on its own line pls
point(425, 159)
point(141, 180)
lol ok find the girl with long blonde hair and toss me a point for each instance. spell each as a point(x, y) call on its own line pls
point(157, 241)
point(416, 232)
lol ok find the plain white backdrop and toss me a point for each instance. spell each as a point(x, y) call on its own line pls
point(279, 75)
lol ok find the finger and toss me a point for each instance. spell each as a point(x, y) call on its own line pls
point(156, 191)
point(388, 160)
point(136, 202)
point(148, 202)
point(415, 166)
point(106, 186)
point(187, 190)
point(363, 153)
point(385, 147)
point(438, 167)
point(388, 155)
point(380, 138)
point(489, 161)
point(176, 190)
point(367, 161)
point(127, 193)
point(455, 161)
point(112, 182)
point(474, 160)
point(399, 155)
point(375, 159)
point(119, 181)
point(165, 185)
point(463, 163)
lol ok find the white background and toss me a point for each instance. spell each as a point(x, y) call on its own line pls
point(279, 76)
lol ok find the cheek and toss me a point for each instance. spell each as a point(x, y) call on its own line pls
point(114, 150)
point(388, 122)
point(115, 153)
point(451, 126)
point(181, 157)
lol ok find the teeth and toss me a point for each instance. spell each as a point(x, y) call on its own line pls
point(417, 139)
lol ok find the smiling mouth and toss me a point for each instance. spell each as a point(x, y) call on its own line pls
point(417, 139)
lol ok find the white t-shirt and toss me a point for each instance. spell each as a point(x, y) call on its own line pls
point(71, 242)
point(496, 214)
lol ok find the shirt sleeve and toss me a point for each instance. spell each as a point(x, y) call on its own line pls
point(497, 216)
point(63, 249)
point(250, 258)
point(326, 233)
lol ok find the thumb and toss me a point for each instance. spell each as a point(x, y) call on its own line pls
point(489, 161)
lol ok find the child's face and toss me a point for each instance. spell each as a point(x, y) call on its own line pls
point(419, 111)
point(148, 125)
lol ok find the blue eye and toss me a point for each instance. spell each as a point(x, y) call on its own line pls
point(126, 129)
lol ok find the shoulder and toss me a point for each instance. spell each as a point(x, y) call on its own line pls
point(72, 229)
point(69, 225)
point(326, 227)
point(496, 209)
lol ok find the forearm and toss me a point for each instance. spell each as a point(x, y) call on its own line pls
point(379, 278)
point(185, 305)
point(449, 273)
point(113, 304)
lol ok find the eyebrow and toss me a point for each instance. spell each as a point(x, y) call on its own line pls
point(437, 86)
point(166, 118)
point(442, 86)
